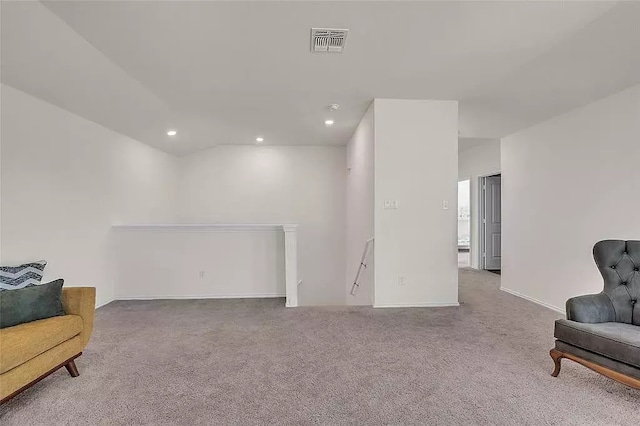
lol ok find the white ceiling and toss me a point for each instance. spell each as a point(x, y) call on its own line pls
point(225, 72)
point(468, 143)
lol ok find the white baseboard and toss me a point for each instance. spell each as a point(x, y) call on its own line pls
point(536, 301)
point(202, 296)
point(416, 305)
point(100, 305)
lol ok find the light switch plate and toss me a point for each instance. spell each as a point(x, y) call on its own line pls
point(390, 204)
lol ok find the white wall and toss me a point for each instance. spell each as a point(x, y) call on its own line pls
point(359, 209)
point(473, 163)
point(65, 181)
point(199, 262)
point(568, 183)
point(276, 184)
point(1, 93)
point(416, 163)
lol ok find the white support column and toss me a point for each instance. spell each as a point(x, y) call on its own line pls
point(291, 264)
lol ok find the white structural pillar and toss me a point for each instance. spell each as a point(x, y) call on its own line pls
point(415, 226)
point(291, 264)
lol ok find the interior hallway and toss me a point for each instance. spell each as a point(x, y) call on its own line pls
point(255, 362)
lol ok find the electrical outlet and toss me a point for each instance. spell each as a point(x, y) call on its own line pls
point(445, 205)
point(401, 280)
point(201, 274)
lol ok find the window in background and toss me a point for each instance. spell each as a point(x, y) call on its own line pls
point(464, 213)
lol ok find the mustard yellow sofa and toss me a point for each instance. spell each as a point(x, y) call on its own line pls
point(30, 352)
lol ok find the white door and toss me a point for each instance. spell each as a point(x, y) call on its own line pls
point(492, 223)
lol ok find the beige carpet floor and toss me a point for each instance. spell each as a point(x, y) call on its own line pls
point(253, 362)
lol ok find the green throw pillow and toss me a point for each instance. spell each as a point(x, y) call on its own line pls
point(31, 303)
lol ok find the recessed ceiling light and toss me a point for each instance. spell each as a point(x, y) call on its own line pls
point(328, 122)
point(259, 139)
point(171, 133)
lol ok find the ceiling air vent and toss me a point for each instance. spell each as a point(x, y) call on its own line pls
point(328, 39)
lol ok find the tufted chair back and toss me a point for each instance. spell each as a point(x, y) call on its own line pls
point(619, 264)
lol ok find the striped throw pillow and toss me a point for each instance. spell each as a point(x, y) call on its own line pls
point(21, 276)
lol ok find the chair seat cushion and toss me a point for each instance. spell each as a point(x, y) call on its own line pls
point(618, 341)
point(23, 342)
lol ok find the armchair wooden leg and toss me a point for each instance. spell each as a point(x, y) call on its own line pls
point(557, 358)
point(612, 374)
point(72, 369)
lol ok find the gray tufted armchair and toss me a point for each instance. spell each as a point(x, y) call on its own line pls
point(602, 331)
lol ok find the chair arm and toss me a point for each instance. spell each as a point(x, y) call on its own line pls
point(591, 308)
point(81, 301)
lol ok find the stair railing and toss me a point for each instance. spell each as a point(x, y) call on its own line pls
point(362, 265)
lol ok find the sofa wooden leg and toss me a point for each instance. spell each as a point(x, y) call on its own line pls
point(28, 385)
point(557, 359)
point(72, 369)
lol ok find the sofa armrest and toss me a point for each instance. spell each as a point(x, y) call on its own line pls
point(591, 308)
point(81, 301)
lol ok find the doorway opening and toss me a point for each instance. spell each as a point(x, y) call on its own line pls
point(491, 223)
point(464, 223)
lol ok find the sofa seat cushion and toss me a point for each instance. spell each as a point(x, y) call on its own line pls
point(618, 341)
point(23, 342)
